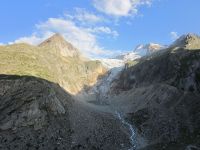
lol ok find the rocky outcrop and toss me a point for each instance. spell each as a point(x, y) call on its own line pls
point(188, 41)
point(33, 114)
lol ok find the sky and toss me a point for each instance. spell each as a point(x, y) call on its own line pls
point(99, 28)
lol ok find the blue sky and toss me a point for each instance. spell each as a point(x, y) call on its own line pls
point(99, 27)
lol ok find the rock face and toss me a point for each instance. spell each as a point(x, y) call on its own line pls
point(33, 114)
point(162, 97)
point(189, 41)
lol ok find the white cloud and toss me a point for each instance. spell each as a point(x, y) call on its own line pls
point(1, 44)
point(105, 30)
point(80, 27)
point(174, 35)
point(82, 38)
point(84, 16)
point(119, 7)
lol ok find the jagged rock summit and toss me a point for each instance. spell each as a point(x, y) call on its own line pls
point(188, 41)
point(61, 46)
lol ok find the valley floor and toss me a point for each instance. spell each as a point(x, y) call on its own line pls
point(129, 138)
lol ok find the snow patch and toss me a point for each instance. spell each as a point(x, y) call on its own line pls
point(112, 63)
point(116, 65)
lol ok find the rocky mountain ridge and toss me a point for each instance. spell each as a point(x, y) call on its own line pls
point(160, 95)
point(188, 41)
point(55, 60)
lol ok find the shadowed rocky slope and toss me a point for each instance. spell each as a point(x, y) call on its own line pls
point(162, 96)
point(37, 114)
point(33, 114)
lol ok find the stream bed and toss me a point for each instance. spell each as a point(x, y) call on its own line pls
point(131, 129)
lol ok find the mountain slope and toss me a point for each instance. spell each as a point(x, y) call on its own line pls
point(38, 114)
point(161, 97)
point(50, 61)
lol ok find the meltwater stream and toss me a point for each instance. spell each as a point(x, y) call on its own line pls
point(130, 127)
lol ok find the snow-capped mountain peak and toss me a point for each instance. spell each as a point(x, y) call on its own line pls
point(117, 64)
point(140, 51)
point(147, 49)
point(129, 56)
